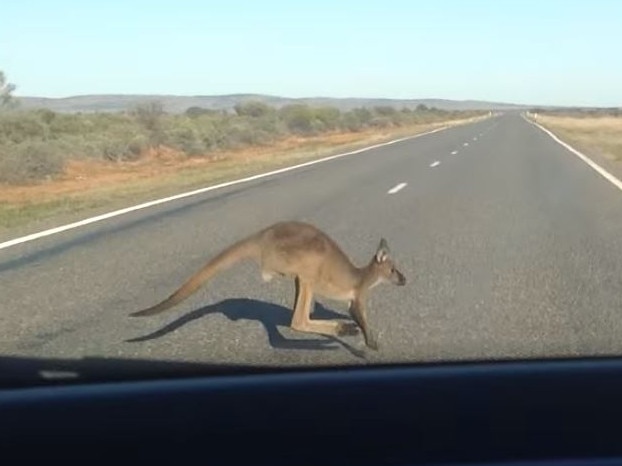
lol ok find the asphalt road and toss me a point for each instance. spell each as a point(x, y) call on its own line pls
point(511, 245)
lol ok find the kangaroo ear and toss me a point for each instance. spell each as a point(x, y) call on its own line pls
point(383, 251)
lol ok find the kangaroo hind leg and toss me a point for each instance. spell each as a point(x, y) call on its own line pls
point(302, 310)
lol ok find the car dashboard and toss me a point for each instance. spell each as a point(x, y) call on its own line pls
point(555, 412)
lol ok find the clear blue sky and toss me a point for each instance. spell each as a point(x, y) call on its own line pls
point(536, 52)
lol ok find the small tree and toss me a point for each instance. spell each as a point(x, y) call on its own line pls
point(252, 108)
point(149, 116)
point(6, 92)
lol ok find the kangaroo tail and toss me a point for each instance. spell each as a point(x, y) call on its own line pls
point(246, 248)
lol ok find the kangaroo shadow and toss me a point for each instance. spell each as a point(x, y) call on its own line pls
point(271, 317)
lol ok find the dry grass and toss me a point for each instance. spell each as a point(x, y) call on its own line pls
point(89, 186)
point(600, 135)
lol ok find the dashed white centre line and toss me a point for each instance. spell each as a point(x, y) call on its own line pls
point(454, 152)
point(435, 164)
point(475, 138)
point(465, 144)
point(397, 188)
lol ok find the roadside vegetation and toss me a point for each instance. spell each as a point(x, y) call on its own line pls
point(63, 163)
point(37, 144)
point(595, 131)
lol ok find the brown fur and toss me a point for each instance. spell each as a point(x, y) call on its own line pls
point(317, 264)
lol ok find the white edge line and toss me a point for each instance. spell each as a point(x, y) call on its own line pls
point(397, 188)
point(435, 164)
point(608, 176)
point(69, 226)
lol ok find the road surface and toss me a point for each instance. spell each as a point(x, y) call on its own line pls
point(511, 245)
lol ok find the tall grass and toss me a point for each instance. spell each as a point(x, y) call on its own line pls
point(596, 133)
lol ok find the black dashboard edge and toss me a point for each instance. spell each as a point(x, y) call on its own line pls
point(478, 412)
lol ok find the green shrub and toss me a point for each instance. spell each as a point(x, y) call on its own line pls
point(329, 117)
point(253, 108)
point(17, 127)
point(186, 138)
point(29, 161)
point(32, 141)
point(298, 118)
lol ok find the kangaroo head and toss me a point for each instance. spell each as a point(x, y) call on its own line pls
point(384, 266)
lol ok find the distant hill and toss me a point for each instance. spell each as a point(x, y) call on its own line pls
point(179, 104)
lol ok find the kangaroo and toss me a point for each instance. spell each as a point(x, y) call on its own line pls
point(318, 266)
